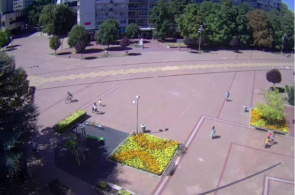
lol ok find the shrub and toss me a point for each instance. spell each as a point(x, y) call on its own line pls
point(69, 121)
point(234, 42)
point(287, 88)
point(291, 95)
point(124, 42)
point(190, 42)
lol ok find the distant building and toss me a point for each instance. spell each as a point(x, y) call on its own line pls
point(13, 13)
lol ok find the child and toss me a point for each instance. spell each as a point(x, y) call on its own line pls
point(227, 96)
point(99, 102)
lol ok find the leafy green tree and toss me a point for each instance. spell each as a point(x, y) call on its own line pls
point(57, 19)
point(261, 28)
point(35, 9)
point(276, 28)
point(132, 30)
point(5, 38)
point(78, 33)
point(54, 42)
point(46, 19)
point(190, 21)
point(18, 117)
point(287, 22)
point(163, 20)
point(108, 32)
point(274, 76)
point(241, 32)
point(177, 6)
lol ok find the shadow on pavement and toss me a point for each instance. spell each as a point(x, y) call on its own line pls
point(90, 58)
point(64, 53)
point(96, 166)
point(92, 50)
point(118, 48)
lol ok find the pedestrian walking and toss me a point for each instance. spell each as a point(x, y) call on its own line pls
point(245, 108)
point(272, 139)
point(227, 96)
point(94, 108)
point(99, 102)
point(212, 132)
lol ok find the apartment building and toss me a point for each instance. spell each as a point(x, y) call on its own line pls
point(92, 13)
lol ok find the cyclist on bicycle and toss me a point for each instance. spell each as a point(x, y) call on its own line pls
point(70, 96)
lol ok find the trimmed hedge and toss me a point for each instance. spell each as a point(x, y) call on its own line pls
point(69, 121)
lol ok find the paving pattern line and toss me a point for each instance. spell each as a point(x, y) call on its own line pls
point(267, 184)
point(36, 81)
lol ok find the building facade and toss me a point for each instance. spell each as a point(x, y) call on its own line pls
point(92, 13)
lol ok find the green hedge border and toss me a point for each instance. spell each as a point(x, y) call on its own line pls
point(68, 122)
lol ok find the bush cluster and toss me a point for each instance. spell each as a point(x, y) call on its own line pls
point(69, 121)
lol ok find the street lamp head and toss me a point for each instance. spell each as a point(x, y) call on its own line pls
point(134, 102)
point(137, 97)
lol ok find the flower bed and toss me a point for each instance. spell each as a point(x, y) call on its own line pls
point(145, 152)
point(69, 121)
point(256, 120)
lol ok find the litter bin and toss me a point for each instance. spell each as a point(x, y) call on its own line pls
point(143, 128)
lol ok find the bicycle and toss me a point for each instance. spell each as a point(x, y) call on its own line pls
point(69, 99)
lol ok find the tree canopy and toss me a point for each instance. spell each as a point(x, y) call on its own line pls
point(57, 19)
point(132, 30)
point(274, 76)
point(18, 116)
point(54, 43)
point(5, 38)
point(261, 28)
point(78, 33)
point(35, 9)
point(108, 32)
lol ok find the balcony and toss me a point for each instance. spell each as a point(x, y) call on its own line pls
point(138, 8)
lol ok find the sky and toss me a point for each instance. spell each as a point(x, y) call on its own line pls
point(290, 4)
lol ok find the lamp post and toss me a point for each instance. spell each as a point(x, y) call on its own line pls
point(283, 38)
point(200, 31)
point(136, 102)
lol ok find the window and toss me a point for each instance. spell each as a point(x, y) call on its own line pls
point(123, 21)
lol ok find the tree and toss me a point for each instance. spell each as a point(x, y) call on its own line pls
point(177, 7)
point(80, 47)
point(108, 32)
point(260, 27)
point(242, 30)
point(5, 38)
point(46, 19)
point(35, 9)
point(274, 76)
point(132, 30)
point(78, 33)
point(190, 21)
point(57, 19)
point(163, 20)
point(18, 117)
point(125, 42)
point(54, 43)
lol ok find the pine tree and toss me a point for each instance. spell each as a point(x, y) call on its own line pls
point(18, 116)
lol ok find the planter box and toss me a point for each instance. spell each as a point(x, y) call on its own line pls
point(70, 121)
point(264, 128)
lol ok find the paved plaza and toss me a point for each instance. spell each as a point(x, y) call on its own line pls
point(182, 95)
